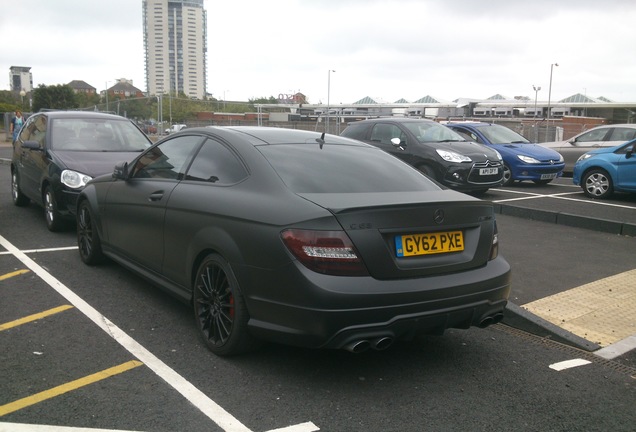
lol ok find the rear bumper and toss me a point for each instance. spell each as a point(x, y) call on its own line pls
point(328, 312)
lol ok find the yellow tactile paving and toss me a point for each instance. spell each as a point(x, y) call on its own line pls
point(603, 312)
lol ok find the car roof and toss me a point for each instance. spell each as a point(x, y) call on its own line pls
point(80, 114)
point(259, 135)
point(394, 120)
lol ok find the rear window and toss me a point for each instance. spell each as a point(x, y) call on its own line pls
point(343, 169)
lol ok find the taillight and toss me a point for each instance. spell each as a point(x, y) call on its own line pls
point(327, 252)
point(494, 248)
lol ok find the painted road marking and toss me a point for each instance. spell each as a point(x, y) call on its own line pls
point(562, 196)
point(196, 397)
point(13, 274)
point(65, 388)
point(20, 427)
point(568, 364)
point(34, 317)
point(31, 251)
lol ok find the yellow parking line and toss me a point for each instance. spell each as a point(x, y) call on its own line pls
point(13, 274)
point(34, 317)
point(64, 388)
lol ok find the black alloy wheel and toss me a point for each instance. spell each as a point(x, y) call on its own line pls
point(54, 220)
point(19, 199)
point(219, 309)
point(88, 241)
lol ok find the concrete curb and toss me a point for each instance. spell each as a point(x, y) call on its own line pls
point(519, 318)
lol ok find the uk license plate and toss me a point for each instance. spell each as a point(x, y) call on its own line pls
point(429, 243)
point(488, 171)
point(548, 176)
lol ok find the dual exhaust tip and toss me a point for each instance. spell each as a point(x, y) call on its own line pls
point(384, 342)
point(362, 345)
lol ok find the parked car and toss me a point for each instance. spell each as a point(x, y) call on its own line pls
point(58, 152)
point(435, 150)
point(604, 171)
point(175, 128)
point(296, 237)
point(600, 136)
point(522, 159)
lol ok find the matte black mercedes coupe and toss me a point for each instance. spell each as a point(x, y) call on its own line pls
point(298, 238)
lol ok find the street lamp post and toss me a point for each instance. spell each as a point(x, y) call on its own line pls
point(22, 95)
point(328, 102)
point(106, 95)
point(536, 93)
point(547, 130)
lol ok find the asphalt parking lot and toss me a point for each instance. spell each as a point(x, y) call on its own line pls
point(113, 352)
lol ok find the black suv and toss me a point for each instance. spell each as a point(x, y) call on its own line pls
point(435, 150)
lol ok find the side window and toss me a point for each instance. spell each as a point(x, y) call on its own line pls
point(383, 133)
point(622, 134)
point(34, 130)
point(167, 160)
point(215, 163)
point(593, 135)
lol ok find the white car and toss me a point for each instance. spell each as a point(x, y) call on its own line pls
point(600, 136)
point(175, 128)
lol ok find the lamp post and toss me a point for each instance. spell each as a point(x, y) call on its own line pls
point(536, 129)
point(328, 95)
point(106, 95)
point(547, 130)
point(536, 92)
point(22, 95)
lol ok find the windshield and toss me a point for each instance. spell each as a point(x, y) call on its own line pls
point(97, 134)
point(502, 135)
point(342, 169)
point(432, 132)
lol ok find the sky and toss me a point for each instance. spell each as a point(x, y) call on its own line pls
point(384, 49)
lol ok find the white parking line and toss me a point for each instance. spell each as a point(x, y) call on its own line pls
point(532, 195)
point(196, 397)
point(568, 364)
point(30, 251)
point(20, 427)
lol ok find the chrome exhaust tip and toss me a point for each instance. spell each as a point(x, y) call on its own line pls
point(358, 346)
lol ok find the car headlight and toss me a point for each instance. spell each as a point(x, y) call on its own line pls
point(499, 155)
point(452, 156)
point(74, 180)
point(584, 157)
point(528, 159)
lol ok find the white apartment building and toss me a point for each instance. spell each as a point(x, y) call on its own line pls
point(175, 43)
point(20, 78)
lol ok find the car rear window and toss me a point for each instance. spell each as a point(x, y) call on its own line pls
point(343, 169)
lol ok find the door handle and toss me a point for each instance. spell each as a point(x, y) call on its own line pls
point(156, 196)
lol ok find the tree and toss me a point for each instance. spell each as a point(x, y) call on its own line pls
point(59, 96)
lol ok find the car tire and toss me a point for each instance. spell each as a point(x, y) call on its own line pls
point(53, 217)
point(507, 176)
point(219, 309)
point(19, 199)
point(88, 241)
point(597, 183)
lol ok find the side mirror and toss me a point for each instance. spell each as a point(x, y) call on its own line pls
point(629, 151)
point(397, 143)
point(121, 171)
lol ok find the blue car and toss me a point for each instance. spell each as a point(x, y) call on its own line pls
point(607, 170)
point(523, 160)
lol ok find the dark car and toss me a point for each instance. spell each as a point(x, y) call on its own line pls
point(523, 160)
point(58, 152)
point(298, 238)
point(435, 150)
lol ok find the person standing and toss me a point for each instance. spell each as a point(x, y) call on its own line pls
point(16, 124)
